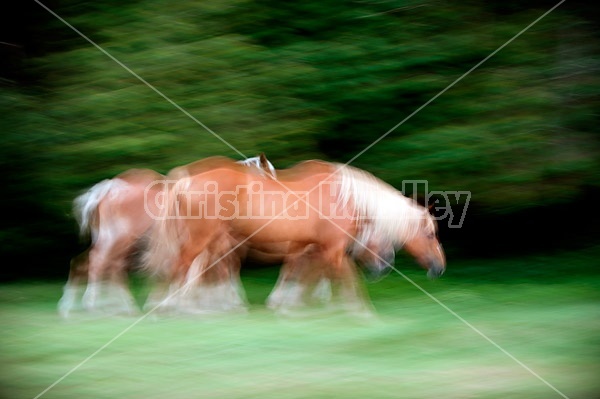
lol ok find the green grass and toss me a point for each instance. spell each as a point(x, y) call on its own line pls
point(543, 310)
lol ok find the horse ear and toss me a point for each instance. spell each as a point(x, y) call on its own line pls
point(263, 160)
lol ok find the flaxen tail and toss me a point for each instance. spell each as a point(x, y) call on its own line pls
point(85, 206)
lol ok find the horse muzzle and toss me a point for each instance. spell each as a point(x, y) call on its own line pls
point(435, 270)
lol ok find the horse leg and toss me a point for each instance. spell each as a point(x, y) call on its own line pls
point(191, 294)
point(297, 275)
point(343, 272)
point(106, 268)
point(220, 287)
point(238, 294)
point(119, 288)
point(229, 284)
point(353, 295)
point(77, 276)
point(277, 295)
point(311, 276)
point(322, 289)
point(212, 287)
point(168, 296)
point(187, 274)
point(286, 289)
point(158, 293)
point(96, 265)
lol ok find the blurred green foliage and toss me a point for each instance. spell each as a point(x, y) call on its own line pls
point(301, 80)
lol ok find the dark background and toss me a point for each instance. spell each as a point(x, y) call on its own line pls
point(305, 80)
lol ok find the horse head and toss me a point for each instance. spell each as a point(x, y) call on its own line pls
point(425, 247)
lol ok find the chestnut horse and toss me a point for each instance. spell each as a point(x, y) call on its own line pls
point(116, 213)
point(329, 203)
point(388, 222)
point(232, 206)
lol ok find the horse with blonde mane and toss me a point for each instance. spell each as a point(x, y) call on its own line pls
point(228, 206)
point(116, 214)
point(388, 222)
point(238, 206)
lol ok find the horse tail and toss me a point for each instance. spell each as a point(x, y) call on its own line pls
point(85, 206)
point(167, 233)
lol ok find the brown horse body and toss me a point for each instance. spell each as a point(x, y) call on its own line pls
point(303, 220)
point(231, 209)
point(234, 206)
point(117, 213)
point(113, 213)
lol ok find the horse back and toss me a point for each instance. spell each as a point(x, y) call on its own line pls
point(201, 166)
point(139, 175)
point(305, 168)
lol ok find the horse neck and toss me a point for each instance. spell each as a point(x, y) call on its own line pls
point(384, 212)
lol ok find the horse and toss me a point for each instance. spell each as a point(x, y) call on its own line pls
point(116, 214)
point(408, 226)
point(245, 207)
point(231, 203)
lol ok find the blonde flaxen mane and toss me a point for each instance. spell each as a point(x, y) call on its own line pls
point(383, 211)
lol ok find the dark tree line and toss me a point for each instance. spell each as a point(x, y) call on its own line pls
point(303, 80)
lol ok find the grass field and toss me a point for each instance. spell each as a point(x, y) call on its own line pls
point(543, 310)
